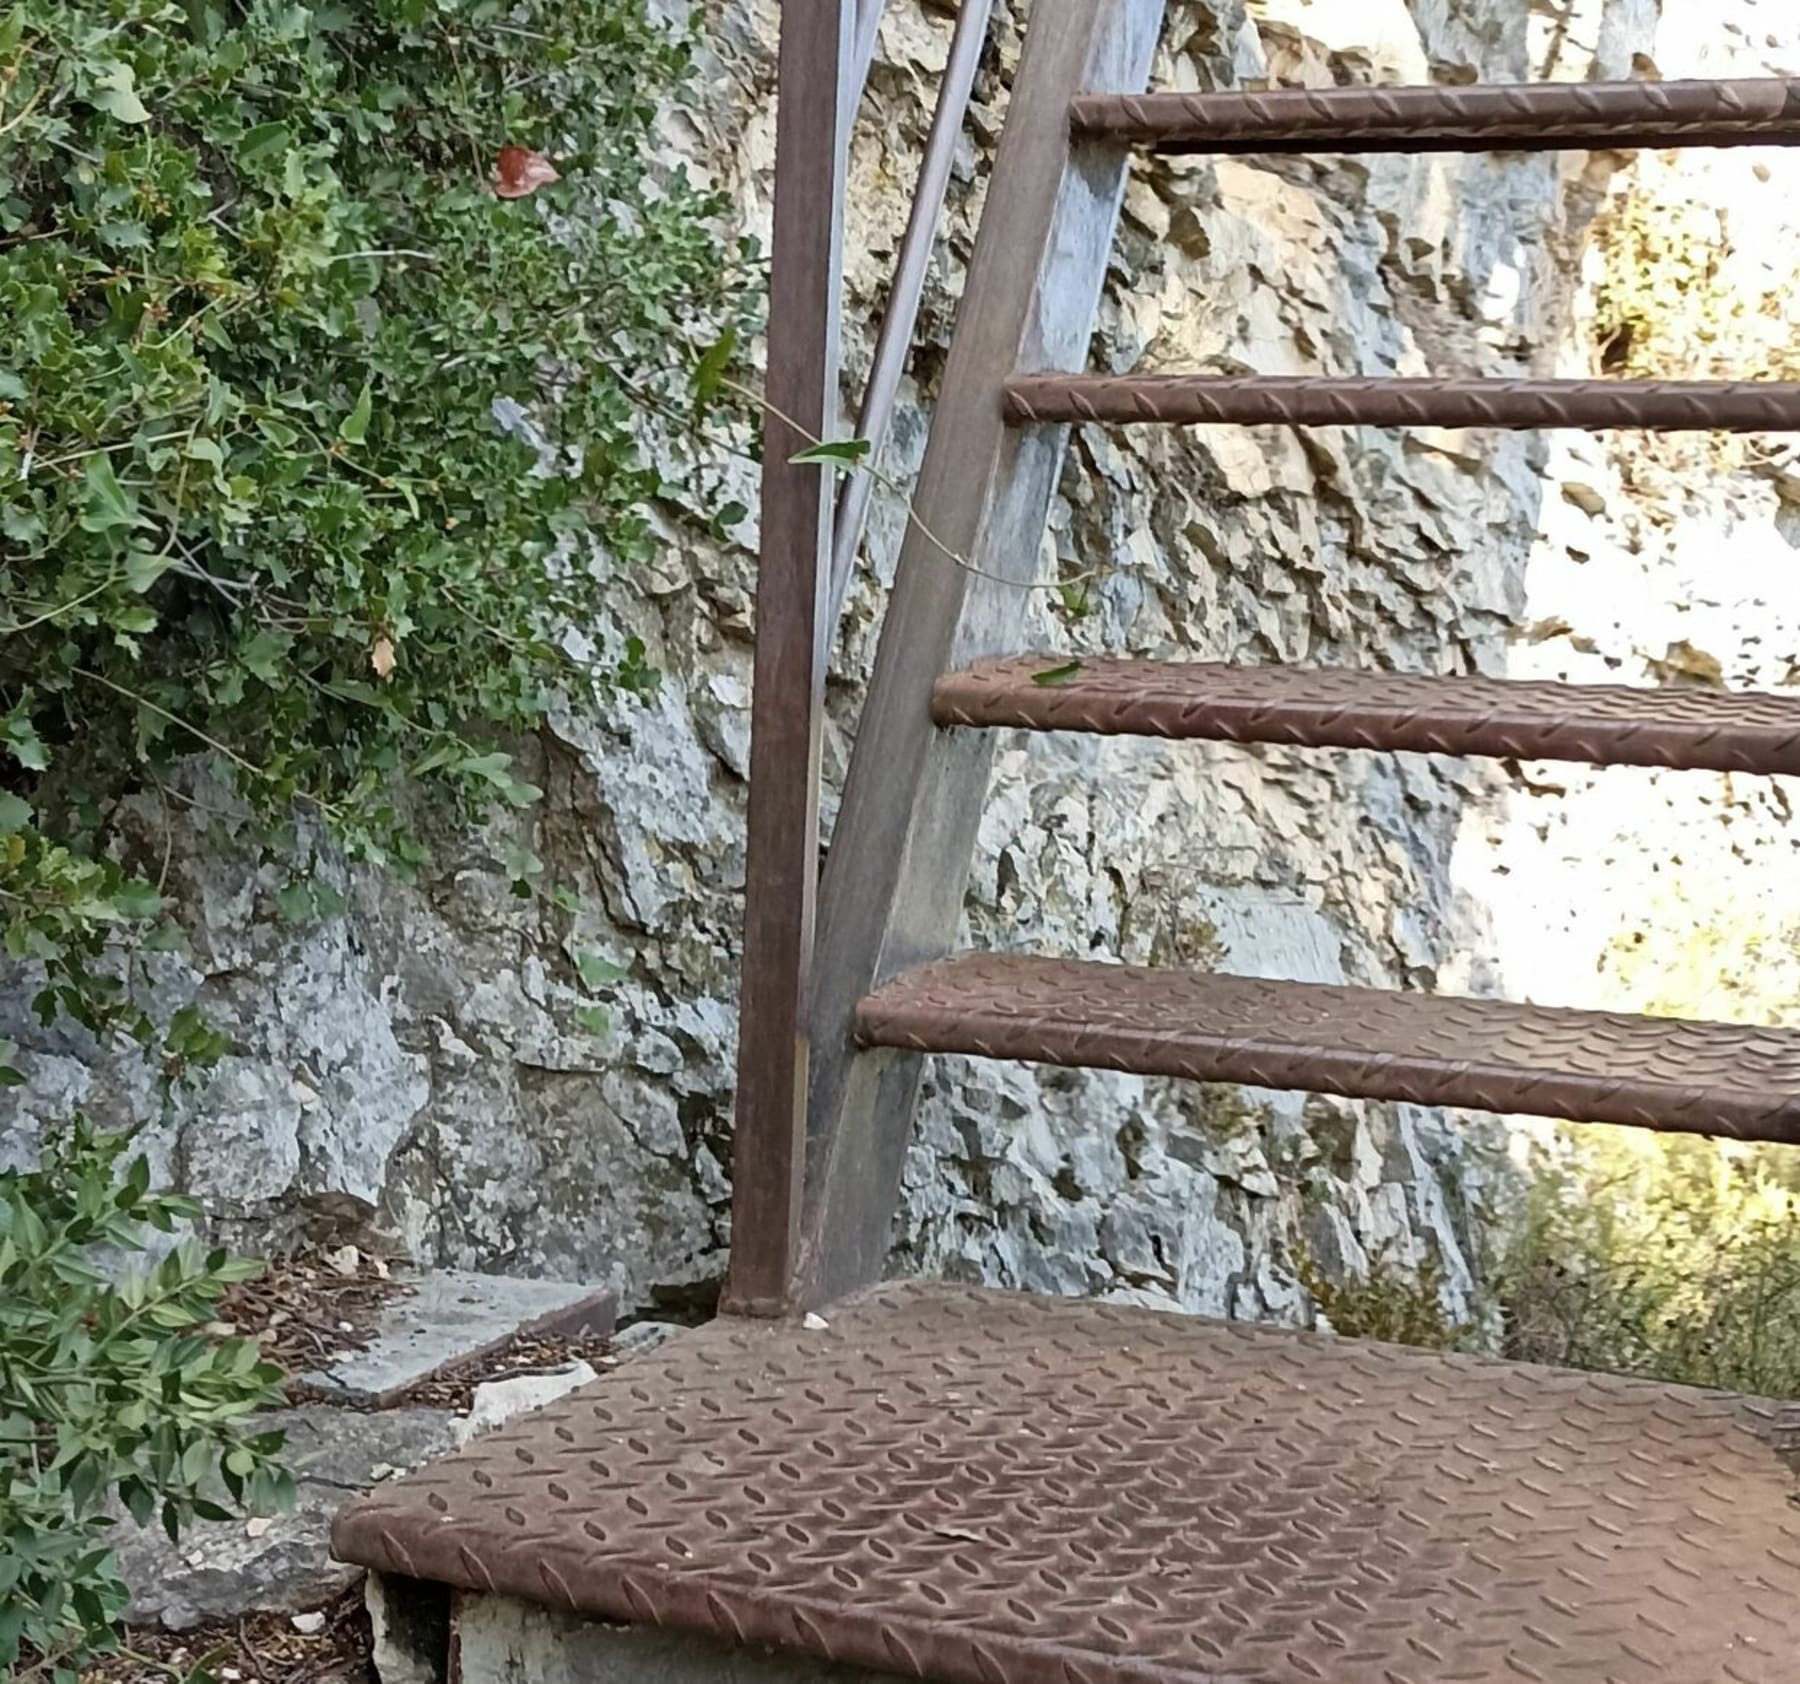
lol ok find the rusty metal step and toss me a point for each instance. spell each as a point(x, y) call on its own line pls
point(1726, 1080)
point(1542, 116)
point(983, 1488)
point(1198, 400)
point(1314, 707)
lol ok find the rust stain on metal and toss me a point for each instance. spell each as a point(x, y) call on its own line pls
point(990, 1489)
point(1198, 400)
point(1313, 707)
point(1728, 1080)
point(1543, 116)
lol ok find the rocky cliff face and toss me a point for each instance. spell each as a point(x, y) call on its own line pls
point(418, 1064)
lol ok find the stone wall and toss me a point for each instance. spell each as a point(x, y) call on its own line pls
point(417, 1065)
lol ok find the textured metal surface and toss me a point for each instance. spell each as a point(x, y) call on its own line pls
point(989, 1489)
point(1529, 116)
point(1189, 400)
point(1487, 1055)
point(816, 68)
point(1605, 725)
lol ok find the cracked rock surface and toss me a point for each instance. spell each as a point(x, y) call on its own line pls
point(226, 1568)
point(418, 1066)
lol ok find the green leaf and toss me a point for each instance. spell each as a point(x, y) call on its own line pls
point(123, 236)
point(205, 450)
point(1075, 599)
point(122, 103)
point(167, 937)
point(20, 525)
point(296, 904)
point(23, 742)
point(522, 865)
point(266, 655)
point(137, 901)
point(713, 366)
point(594, 1019)
point(596, 972)
point(266, 140)
point(12, 1628)
point(15, 813)
point(845, 453)
point(83, 1484)
point(354, 428)
point(139, 1501)
point(1052, 676)
point(107, 504)
point(494, 768)
point(142, 569)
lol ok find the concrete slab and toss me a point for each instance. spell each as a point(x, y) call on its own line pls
point(225, 1569)
point(499, 1641)
point(453, 1317)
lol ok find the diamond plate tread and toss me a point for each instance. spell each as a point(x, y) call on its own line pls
point(1313, 707)
point(1524, 116)
point(1199, 400)
point(1725, 1080)
point(988, 1489)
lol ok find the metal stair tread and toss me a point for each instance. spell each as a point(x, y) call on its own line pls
point(1318, 707)
point(1536, 116)
point(985, 1488)
point(1728, 1080)
point(1290, 400)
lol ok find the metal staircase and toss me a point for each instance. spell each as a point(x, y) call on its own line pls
point(935, 1482)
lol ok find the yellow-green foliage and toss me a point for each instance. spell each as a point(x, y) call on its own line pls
point(1678, 297)
point(1392, 1302)
point(1677, 1259)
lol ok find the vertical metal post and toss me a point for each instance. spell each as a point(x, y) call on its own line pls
point(817, 91)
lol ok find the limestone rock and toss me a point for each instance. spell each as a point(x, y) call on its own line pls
point(223, 1569)
point(419, 1066)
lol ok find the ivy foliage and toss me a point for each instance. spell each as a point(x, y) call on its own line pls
point(112, 1393)
point(325, 336)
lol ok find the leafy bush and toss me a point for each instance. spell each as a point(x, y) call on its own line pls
point(324, 335)
point(1392, 1302)
point(111, 1389)
point(1676, 1259)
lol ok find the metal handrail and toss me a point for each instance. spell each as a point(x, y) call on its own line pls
point(881, 397)
point(868, 36)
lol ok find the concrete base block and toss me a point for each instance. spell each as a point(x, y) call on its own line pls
point(453, 1317)
point(410, 1623)
point(499, 1641)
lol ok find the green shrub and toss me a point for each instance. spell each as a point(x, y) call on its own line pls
point(1676, 1259)
point(321, 417)
point(111, 1391)
point(1391, 1302)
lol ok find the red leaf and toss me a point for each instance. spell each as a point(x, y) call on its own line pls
point(523, 172)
